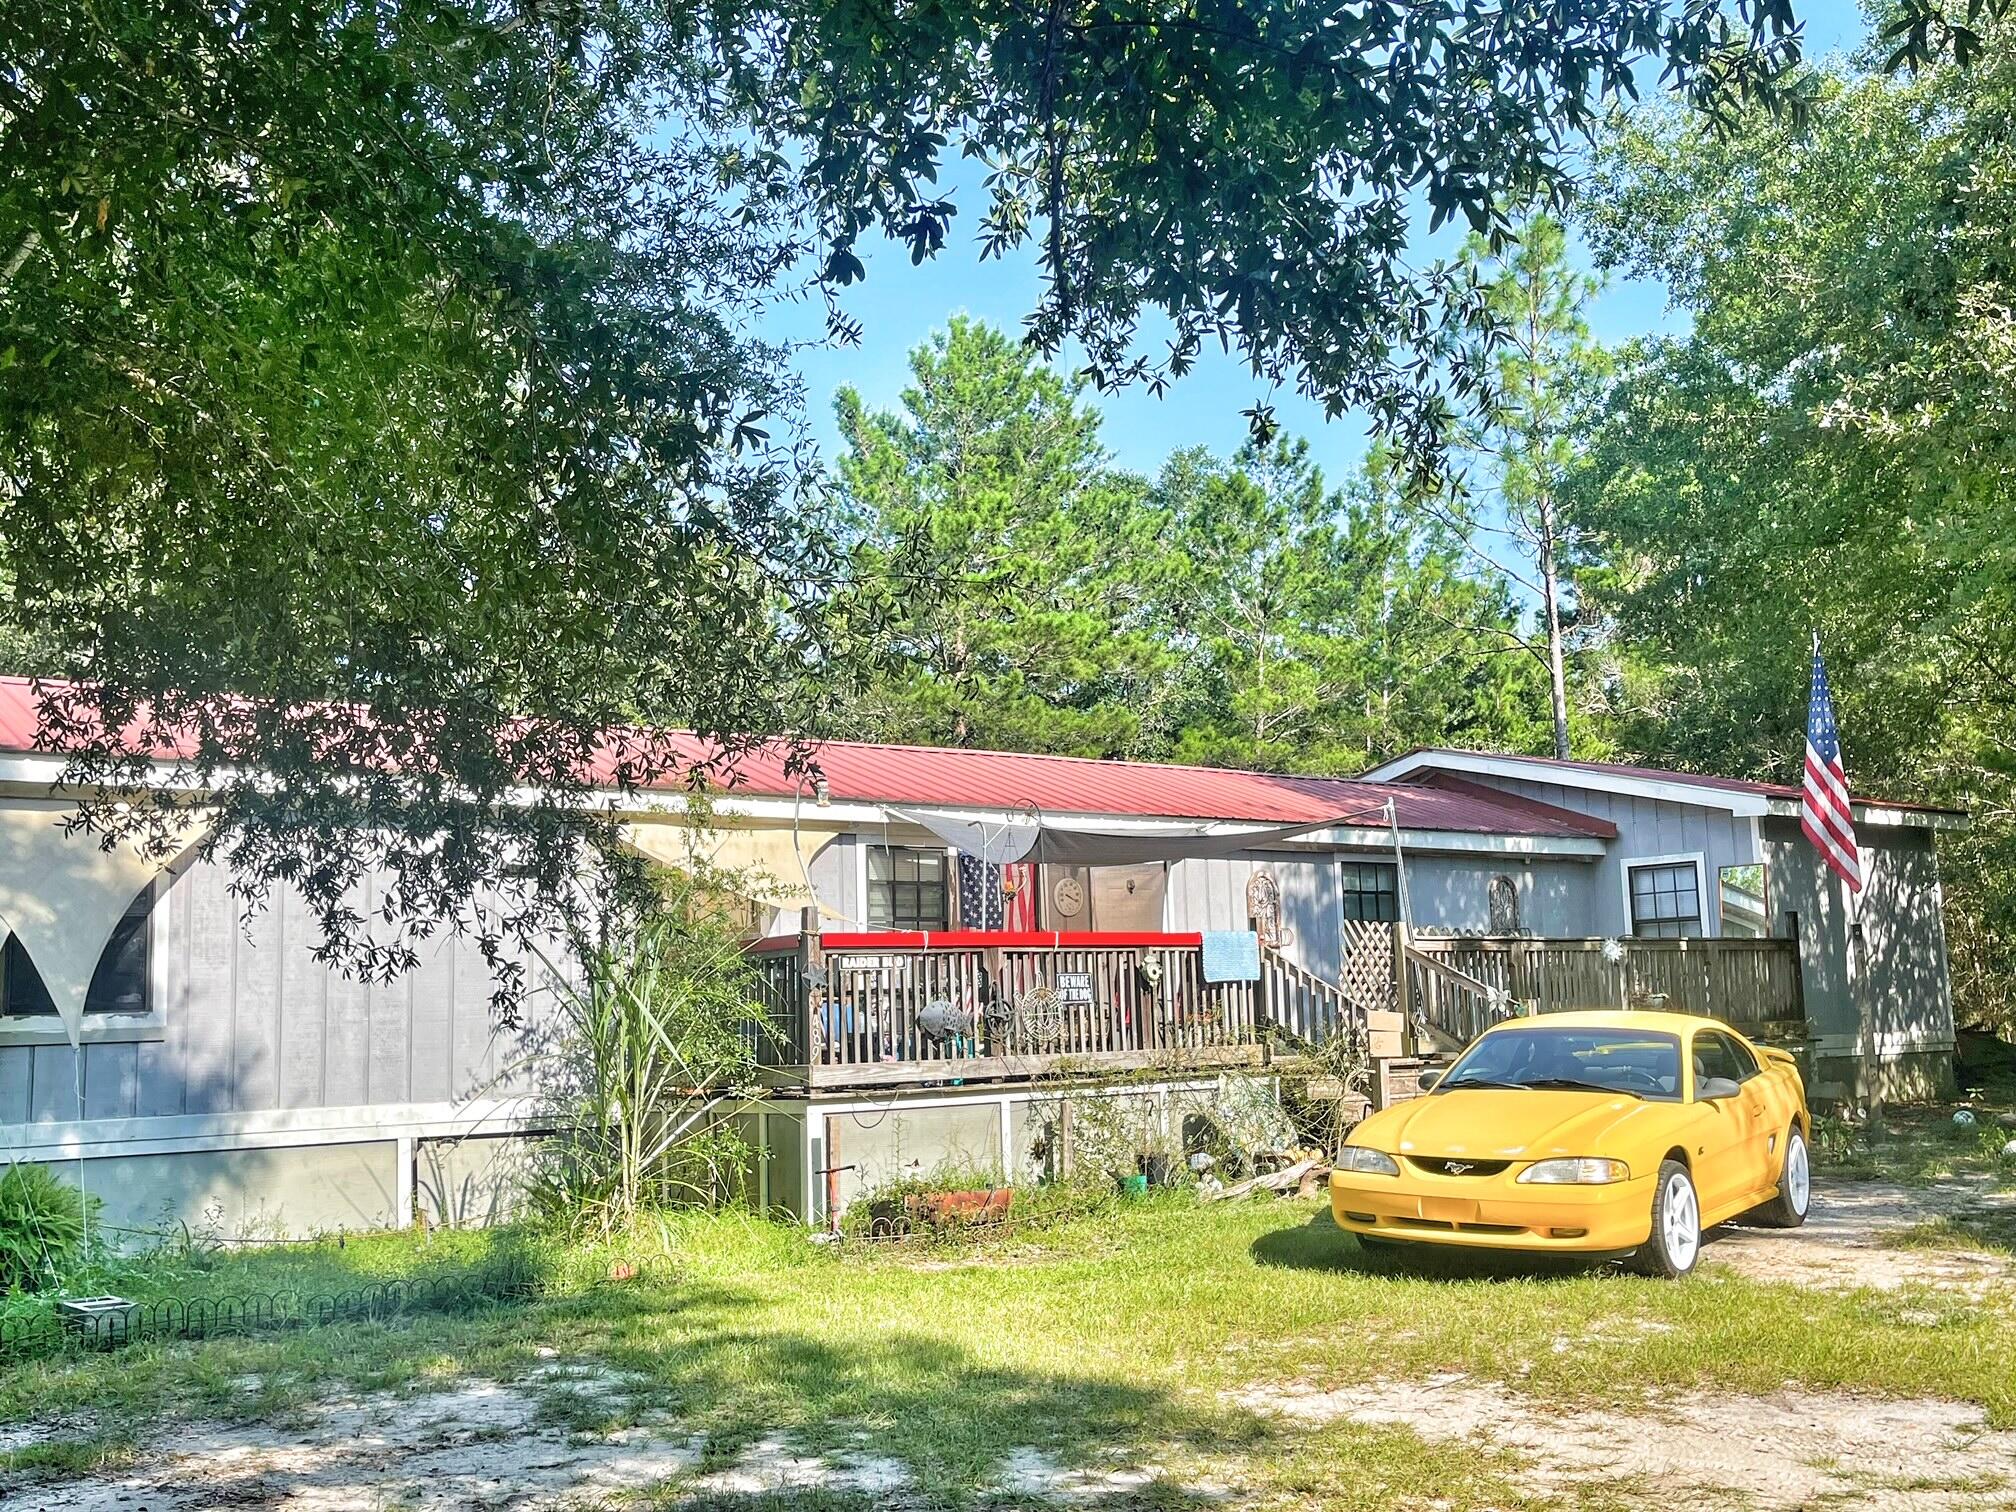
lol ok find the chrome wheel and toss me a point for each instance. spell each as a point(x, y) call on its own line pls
point(1681, 1221)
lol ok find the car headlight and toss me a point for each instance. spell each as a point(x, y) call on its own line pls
point(1579, 1170)
point(1371, 1162)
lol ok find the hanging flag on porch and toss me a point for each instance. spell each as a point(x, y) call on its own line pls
point(1824, 811)
point(980, 903)
point(1018, 892)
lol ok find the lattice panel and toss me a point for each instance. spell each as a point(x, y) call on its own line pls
point(1367, 979)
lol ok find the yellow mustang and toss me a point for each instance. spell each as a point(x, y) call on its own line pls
point(1601, 1134)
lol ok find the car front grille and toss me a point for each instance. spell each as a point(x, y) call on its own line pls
point(1454, 1167)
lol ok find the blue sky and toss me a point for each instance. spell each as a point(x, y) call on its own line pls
point(899, 306)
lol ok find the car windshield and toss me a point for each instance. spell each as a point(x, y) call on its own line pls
point(1603, 1060)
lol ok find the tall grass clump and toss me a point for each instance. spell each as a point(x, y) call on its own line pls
point(44, 1226)
point(654, 1072)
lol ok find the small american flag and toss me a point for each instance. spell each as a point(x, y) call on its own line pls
point(1824, 812)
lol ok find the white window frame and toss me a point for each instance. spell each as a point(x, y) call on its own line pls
point(1710, 928)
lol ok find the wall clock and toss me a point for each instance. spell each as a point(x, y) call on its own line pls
point(1069, 896)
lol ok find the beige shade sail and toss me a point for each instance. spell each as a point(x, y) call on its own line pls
point(62, 894)
point(775, 861)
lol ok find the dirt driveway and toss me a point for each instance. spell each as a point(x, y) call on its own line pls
point(1853, 1238)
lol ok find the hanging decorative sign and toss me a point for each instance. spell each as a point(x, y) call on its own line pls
point(1263, 907)
point(1074, 986)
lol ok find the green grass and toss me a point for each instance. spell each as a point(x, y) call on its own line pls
point(1919, 1144)
point(1119, 1330)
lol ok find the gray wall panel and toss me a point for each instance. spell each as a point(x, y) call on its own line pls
point(304, 990)
point(1646, 827)
point(251, 1022)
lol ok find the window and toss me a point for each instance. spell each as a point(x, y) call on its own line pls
point(1370, 892)
point(1666, 901)
point(1745, 915)
point(118, 985)
point(906, 888)
point(1719, 1055)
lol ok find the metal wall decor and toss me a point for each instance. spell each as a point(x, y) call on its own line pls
point(1263, 907)
point(1039, 1019)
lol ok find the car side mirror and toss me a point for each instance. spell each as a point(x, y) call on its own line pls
point(1716, 1088)
point(1429, 1080)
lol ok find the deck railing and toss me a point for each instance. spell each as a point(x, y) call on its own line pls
point(1449, 1000)
point(868, 1009)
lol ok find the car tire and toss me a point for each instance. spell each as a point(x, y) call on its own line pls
point(1788, 1209)
point(1674, 1245)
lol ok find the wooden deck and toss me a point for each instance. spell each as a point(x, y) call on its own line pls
point(879, 1010)
point(893, 1010)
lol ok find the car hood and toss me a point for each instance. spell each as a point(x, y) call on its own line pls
point(1488, 1124)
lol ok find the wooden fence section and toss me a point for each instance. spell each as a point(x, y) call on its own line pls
point(1749, 983)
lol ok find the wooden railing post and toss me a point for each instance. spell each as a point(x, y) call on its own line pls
point(1401, 994)
point(811, 984)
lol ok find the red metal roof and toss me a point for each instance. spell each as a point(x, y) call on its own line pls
point(859, 772)
point(1425, 756)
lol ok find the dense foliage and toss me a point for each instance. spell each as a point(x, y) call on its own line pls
point(380, 413)
point(1237, 612)
point(1828, 446)
point(651, 1066)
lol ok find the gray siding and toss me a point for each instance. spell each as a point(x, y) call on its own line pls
point(1905, 964)
point(835, 870)
point(1645, 827)
point(1453, 894)
point(251, 1022)
point(1211, 894)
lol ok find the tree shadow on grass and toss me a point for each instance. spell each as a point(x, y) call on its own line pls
point(959, 1425)
point(1320, 1245)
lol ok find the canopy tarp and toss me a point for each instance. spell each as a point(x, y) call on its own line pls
point(62, 893)
point(1033, 839)
point(773, 862)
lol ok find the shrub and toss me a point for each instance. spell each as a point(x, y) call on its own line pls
point(655, 1065)
point(44, 1225)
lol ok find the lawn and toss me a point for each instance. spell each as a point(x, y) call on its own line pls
point(1150, 1334)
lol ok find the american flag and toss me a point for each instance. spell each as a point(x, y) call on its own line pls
point(980, 901)
point(1824, 812)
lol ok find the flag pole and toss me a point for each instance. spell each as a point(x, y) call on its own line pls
point(1865, 1010)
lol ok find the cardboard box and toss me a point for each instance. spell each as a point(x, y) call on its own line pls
point(1386, 1044)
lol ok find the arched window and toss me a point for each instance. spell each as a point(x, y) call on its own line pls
point(118, 985)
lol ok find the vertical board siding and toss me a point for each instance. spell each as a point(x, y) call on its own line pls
point(1905, 965)
point(304, 992)
point(252, 1022)
point(1645, 827)
point(255, 1000)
